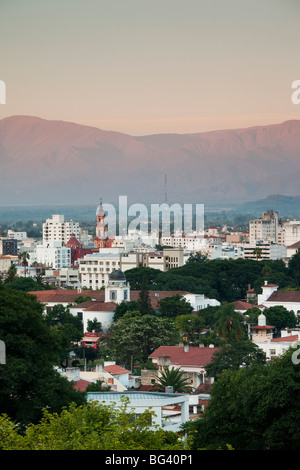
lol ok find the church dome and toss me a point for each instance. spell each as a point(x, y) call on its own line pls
point(117, 275)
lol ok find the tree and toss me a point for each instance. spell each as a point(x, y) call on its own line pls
point(173, 306)
point(252, 409)
point(280, 317)
point(94, 326)
point(294, 268)
point(90, 427)
point(97, 387)
point(29, 380)
point(11, 274)
point(229, 324)
point(190, 326)
point(144, 303)
point(24, 257)
point(136, 336)
point(232, 356)
point(173, 378)
point(124, 307)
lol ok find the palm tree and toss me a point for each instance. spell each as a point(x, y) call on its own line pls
point(229, 324)
point(173, 378)
point(257, 251)
point(24, 256)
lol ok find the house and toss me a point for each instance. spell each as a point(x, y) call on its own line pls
point(102, 303)
point(272, 297)
point(188, 359)
point(170, 410)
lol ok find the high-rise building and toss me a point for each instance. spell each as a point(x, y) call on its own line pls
point(266, 228)
point(57, 229)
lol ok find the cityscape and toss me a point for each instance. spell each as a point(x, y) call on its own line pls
point(149, 228)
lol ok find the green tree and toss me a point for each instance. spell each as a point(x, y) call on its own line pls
point(24, 257)
point(229, 324)
point(11, 274)
point(294, 268)
point(94, 326)
point(90, 427)
point(190, 326)
point(232, 356)
point(136, 336)
point(173, 378)
point(144, 303)
point(280, 317)
point(29, 381)
point(252, 409)
point(173, 306)
point(124, 307)
point(97, 387)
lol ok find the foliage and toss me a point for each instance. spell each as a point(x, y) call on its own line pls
point(69, 325)
point(190, 326)
point(280, 317)
point(29, 381)
point(144, 303)
point(232, 356)
point(89, 427)
point(94, 326)
point(136, 336)
point(173, 378)
point(173, 306)
point(26, 284)
point(97, 387)
point(252, 409)
point(229, 325)
point(124, 307)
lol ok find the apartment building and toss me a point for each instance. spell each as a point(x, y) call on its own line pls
point(54, 255)
point(57, 229)
point(95, 268)
point(266, 228)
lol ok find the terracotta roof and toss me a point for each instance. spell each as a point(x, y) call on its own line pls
point(240, 305)
point(66, 296)
point(285, 296)
point(195, 356)
point(116, 370)
point(156, 296)
point(285, 339)
point(101, 307)
point(81, 385)
point(295, 245)
point(262, 327)
point(270, 285)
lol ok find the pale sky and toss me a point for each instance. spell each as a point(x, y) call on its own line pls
point(151, 66)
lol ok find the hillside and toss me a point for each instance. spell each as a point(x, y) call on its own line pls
point(62, 162)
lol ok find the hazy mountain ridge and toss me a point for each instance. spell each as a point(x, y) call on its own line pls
point(55, 161)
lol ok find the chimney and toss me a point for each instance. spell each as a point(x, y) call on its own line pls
point(186, 348)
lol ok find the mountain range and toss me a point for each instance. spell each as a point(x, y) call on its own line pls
point(58, 162)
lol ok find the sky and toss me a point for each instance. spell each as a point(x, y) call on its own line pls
point(151, 66)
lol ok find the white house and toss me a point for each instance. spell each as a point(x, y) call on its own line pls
point(271, 297)
point(163, 405)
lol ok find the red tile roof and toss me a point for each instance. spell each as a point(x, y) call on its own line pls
point(66, 296)
point(285, 296)
point(195, 356)
point(116, 370)
point(285, 339)
point(81, 385)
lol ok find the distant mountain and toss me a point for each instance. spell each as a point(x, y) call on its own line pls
point(53, 162)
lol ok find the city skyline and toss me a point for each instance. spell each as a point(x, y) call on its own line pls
point(146, 68)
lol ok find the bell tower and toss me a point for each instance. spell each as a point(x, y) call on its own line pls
point(101, 238)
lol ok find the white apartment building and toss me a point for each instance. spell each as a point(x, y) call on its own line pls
point(289, 232)
point(261, 251)
point(95, 268)
point(265, 228)
point(57, 229)
point(16, 235)
point(54, 255)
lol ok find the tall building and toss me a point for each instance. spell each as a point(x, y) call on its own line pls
point(266, 228)
point(101, 239)
point(57, 229)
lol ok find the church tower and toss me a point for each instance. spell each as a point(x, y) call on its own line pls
point(101, 238)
